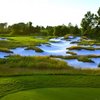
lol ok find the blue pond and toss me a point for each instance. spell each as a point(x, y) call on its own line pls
point(57, 46)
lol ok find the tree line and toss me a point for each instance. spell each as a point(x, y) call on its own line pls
point(29, 29)
point(90, 26)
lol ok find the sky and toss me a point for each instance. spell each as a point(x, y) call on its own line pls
point(46, 12)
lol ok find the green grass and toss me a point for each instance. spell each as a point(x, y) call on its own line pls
point(5, 50)
point(56, 94)
point(22, 41)
point(9, 85)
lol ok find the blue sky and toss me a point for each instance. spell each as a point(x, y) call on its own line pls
point(46, 12)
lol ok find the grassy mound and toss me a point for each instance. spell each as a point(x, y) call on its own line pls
point(56, 94)
point(9, 85)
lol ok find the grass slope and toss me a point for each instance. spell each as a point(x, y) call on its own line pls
point(10, 85)
point(56, 94)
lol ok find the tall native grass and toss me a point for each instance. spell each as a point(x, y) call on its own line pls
point(36, 62)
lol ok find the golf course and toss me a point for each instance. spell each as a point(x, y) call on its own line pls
point(59, 62)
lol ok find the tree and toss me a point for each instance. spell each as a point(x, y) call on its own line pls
point(19, 29)
point(30, 28)
point(60, 30)
point(88, 22)
point(50, 30)
point(3, 27)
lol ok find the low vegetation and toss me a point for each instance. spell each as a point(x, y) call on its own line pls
point(5, 50)
point(83, 58)
point(89, 42)
point(80, 47)
point(72, 53)
point(37, 49)
point(36, 62)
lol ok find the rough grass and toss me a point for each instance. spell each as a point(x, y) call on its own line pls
point(5, 50)
point(72, 53)
point(68, 35)
point(56, 94)
point(79, 48)
point(35, 62)
point(89, 42)
point(22, 41)
point(37, 49)
point(83, 58)
point(18, 65)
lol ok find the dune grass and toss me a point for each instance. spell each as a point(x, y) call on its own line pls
point(5, 50)
point(89, 42)
point(72, 53)
point(83, 58)
point(35, 62)
point(17, 65)
point(80, 47)
point(37, 49)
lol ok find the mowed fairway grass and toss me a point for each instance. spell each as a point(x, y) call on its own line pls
point(50, 87)
point(56, 94)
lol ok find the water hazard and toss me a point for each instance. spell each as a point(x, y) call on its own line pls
point(58, 46)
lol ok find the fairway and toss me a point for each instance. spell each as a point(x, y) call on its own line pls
point(56, 94)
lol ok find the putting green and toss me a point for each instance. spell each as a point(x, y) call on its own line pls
point(56, 94)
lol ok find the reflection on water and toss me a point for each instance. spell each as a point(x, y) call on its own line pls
point(86, 52)
point(96, 60)
point(78, 64)
point(3, 54)
point(21, 51)
point(3, 39)
point(56, 48)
